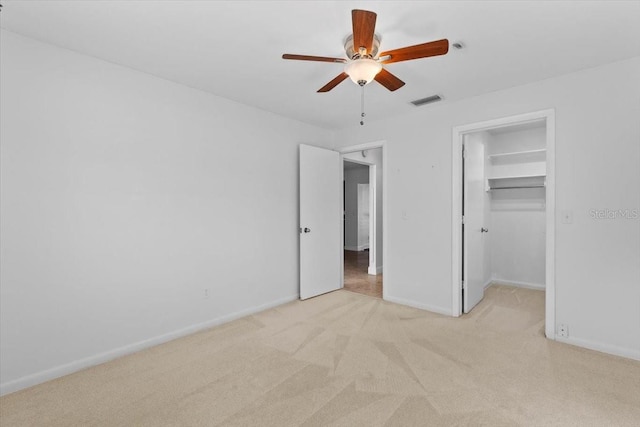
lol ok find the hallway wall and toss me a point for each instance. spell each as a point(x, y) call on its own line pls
point(354, 175)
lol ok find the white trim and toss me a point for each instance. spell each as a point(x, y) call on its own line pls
point(536, 116)
point(456, 207)
point(358, 162)
point(519, 284)
point(488, 283)
point(373, 216)
point(77, 365)
point(356, 248)
point(382, 144)
point(456, 221)
point(550, 260)
point(410, 303)
point(361, 147)
point(342, 217)
point(374, 271)
point(630, 353)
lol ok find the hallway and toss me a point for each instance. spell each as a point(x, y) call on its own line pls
point(356, 278)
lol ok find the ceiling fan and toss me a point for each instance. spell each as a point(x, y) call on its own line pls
point(364, 62)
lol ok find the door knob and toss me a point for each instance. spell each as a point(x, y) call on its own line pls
point(484, 230)
point(307, 230)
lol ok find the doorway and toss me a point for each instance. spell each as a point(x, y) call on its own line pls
point(359, 223)
point(503, 203)
point(363, 192)
point(321, 219)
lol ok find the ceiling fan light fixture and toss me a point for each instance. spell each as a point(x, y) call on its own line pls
point(362, 70)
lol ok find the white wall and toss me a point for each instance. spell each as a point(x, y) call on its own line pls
point(517, 217)
point(352, 177)
point(374, 157)
point(515, 138)
point(597, 167)
point(124, 196)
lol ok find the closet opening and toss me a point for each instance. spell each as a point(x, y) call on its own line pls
point(503, 243)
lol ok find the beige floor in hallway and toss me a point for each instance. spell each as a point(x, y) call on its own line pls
point(348, 359)
point(356, 277)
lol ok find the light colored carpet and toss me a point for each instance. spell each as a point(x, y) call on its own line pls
point(345, 359)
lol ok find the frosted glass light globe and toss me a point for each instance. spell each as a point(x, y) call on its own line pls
point(363, 69)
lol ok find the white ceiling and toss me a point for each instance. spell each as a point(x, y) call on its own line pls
point(233, 49)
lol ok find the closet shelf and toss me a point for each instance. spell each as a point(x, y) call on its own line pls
point(516, 154)
point(517, 187)
point(516, 182)
point(524, 176)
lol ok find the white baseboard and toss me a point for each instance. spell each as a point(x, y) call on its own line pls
point(629, 353)
point(488, 283)
point(432, 308)
point(517, 284)
point(374, 271)
point(77, 365)
point(356, 248)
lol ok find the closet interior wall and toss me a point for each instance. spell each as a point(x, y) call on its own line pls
point(517, 214)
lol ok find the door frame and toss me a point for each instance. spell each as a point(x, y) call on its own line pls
point(372, 179)
point(458, 133)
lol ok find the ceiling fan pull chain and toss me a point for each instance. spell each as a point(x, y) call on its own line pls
point(362, 107)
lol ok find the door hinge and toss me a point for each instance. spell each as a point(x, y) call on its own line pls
point(464, 285)
point(463, 219)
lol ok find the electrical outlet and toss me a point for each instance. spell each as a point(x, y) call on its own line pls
point(206, 293)
point(563, 330)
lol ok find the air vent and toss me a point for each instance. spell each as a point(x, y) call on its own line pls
point(427, 100)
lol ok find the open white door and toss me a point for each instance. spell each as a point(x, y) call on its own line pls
point(474, 227)
point(320, 221)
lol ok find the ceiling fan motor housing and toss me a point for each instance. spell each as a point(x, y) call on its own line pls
point(354, 53)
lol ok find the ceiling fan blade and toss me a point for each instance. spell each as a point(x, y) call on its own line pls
point(312, 58)
point(333, 83)
point(364, 26)
point(388, 80)
point(424, 50)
